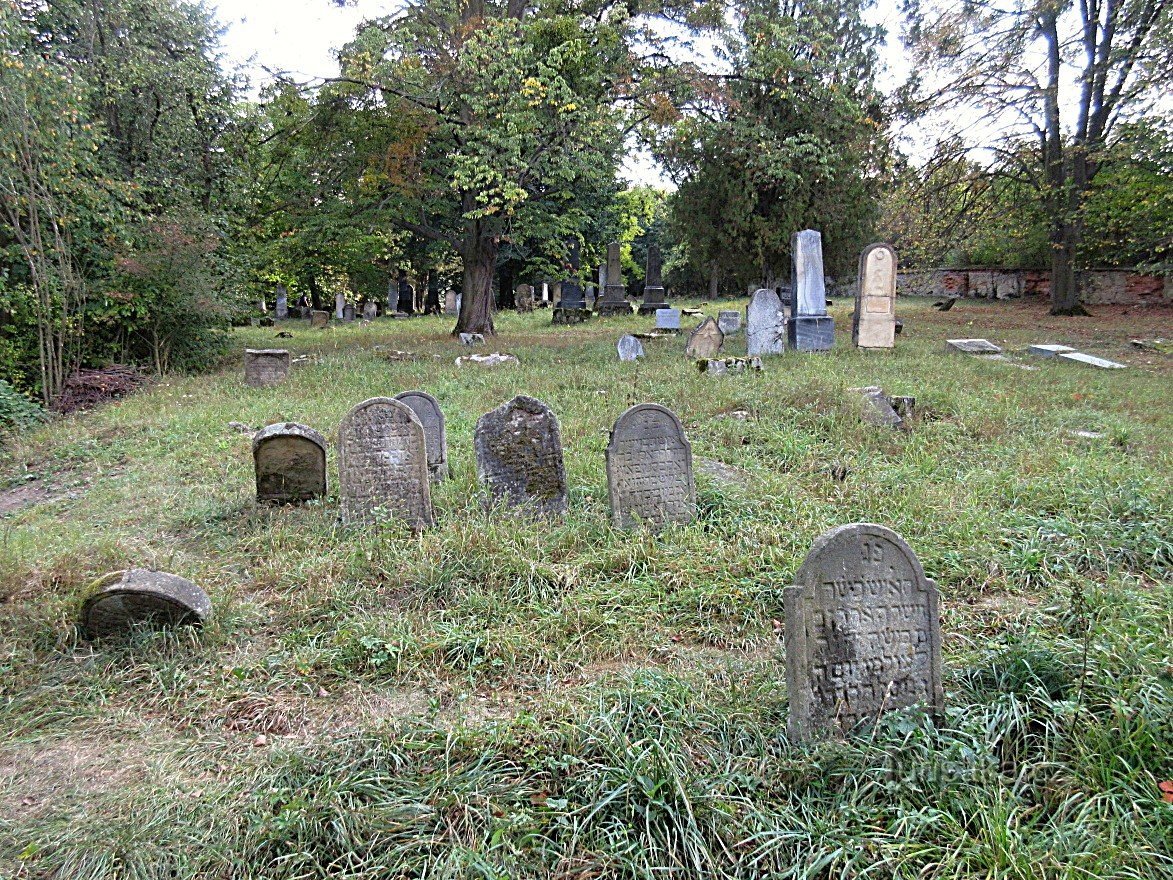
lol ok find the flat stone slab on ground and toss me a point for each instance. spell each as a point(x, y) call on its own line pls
point(724, 366)
point(971, 346)
point(1047, 350)
point(495, 359)
point(1091, 360)
point(123, 600)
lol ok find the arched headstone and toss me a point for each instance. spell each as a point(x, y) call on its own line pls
point(319, 319)
point(519, 456)
point(874, 322)
point(649, 469)
point(863, 632)
point(265, 366)
point(383, 463)
point(428, 411)
point(124, 600)
point(290, 463)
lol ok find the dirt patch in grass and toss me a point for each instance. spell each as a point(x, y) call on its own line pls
point(21, 496)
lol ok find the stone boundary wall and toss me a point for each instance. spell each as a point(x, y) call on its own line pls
point(1101, 286)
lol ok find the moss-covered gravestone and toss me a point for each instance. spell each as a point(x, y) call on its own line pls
point(519, 456)
point(123, 601)
point(290, 463)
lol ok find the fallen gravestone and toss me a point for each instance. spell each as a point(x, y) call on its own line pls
point(383, 464)
point(519, 456)
point(765, 324)
point(729, 322)
point(487, 360)
point(863, 632)
point(319, 319)
point(724, 366)
point(1080, 358)
point(290, 463)
point(971, 346)
point(810, 328)
point(668, 320)
point(874, 323)
point(629, 348)
point(472, 339)
point(265, 366)
point(876, 409)
point(705, 341)
point(427, 410)
point(1049, 350)
point(649, 469)
point(125, 600)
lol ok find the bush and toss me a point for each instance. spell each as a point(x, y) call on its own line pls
point(16, 410)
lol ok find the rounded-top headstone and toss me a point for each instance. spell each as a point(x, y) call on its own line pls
point(649, 469)
point(863, 632)
point(629, 348)
point(125, 600)
point(874, 321)
point(427, 410)
point(383, 463)
point(290, 463)
point(519, 456)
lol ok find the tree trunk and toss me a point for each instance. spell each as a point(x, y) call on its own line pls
point(1064, 280)
point(315, 294)
point(480, 261)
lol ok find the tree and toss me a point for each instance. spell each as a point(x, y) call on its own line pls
point(1017, 62)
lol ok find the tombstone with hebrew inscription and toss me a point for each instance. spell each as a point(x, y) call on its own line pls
point(649, 469)
point(863, 633)
point(519, 456)
point(427, 410)
point(383, 464)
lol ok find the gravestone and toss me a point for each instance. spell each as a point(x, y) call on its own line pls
point(668, 319)
point(876, 409)
point(629, 348)
point(705, 341)
point(863, 633)
point(319, 319)
point(265, 366)
point(406, 303)
point(571, 307)
point(125, 600)
point(428, 411)
point(729, 322)
point(383, 463)
point(348, 312)
point(765, 324)
point(810, 328)
point(290, 463)
point(649, 469)
point(971, 346)
point(472, 338)
point(370, 311)
point(524, 298)
point(432, 295)
point(451, 306)
point(1049, 350)
point(873, 324)
point(614, 301)
point(339, 306)
point(654, 296)
point(519, 456)
point(282, 310)
point(1080, 357)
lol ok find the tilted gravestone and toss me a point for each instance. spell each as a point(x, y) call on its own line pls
point(124, 600)
point(290, 463)
point(705, 341)
point(729, 322)
point(649, 469)
point(874, 322)
point(319, 319)
point(863, 632)
point(629, 348)
point(265, 366)
point(765, 323)
point(383, 463)
point(427, 410)
point(519, 455)
point(810, 328)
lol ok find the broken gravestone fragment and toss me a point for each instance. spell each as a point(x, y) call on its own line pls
point(123, 601)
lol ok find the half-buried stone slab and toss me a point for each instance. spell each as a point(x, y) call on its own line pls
point(123, 601)
point(290, 462)
point(971, 346)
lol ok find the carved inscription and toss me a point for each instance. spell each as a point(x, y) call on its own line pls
point(862, 632)
point(265, 366)
point(383, 463)
point(519, 455)
point(649, 469)
point(427, 410)
point(874, 321)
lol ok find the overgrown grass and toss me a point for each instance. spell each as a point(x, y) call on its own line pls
point(500, 697)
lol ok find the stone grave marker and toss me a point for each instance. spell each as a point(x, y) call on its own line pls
point(874, 322)
point(383, 463)
point(124, 600)
point(370, 310)
point(282, 310)
point(810, 328)
point(348, 312)
point(265, 366)
point(765, 323)
point(614, 301)
point(339, 306)
point(406, 303)
point(629, 348)
point(319, 319)
point(290, 463)
point(649, 469)
point(654, 295)
point(705, 341)
point(971, 346)
point(519, 456)
point(863, 632)
point(523, 298)
point(1047, 350)
point(427, 410)
point(1091, 360)
point(472, 339)
point(729, 322)
point(451, 306)
point(668, 319)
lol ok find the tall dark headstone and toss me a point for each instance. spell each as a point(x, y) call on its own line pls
point(654, 296)
point(290, 463)
point(810, 328)
point(649, 469)
point(432, 300)
point(863, 632)
point(383, 464)
point(406, 295)
point(519, 456)
point(571, 307)
point(614, 301)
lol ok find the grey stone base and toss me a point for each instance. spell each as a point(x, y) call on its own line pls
point(570, 316)
point(807, 333)
point(647, 308)
point(613, 308)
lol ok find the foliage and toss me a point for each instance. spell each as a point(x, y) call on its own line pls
point(16, 410)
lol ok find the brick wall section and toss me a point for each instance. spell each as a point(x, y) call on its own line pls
point(1101, 286)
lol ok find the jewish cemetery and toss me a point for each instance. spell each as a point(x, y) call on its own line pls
point(671, 442)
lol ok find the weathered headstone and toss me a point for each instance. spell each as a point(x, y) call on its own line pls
point(282, 310)
point(729, 322)
point(810, 328)
point(649, 469)
point(876, 409)
point(451, 306)
point(524, 298)
point(348, 312)
point(705, 341)
point(427, 410)
point(406, 303)
point(668, 319)
point(319, 319)
point(519, 455)
point(340, 306)
point(383, 463)
point(614, 301)
point(629, 348)
point(370, 311)
point(125, 600)
point(1046, 350)
point(432, 295)
point(874, 322)
point(290, 463)
point(654, 296)
point(971, 346)
point(472, 338)
point(765, 324)
point(265, 366)
point(863, 633)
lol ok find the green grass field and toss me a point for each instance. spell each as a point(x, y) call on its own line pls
point(500, 697)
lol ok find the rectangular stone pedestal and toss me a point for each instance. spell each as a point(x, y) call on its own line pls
point(811, 333)
point(613, 307)
point(563, 315)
